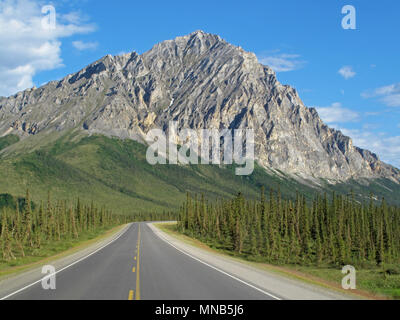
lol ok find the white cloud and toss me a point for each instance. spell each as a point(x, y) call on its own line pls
point(282, 62)
point(387, 147)
point(389, 95)
point(347, 72)
point(26, 47)
point(80, 45)
point(74, 17)
point(371, 126)
point(372, 114)
point(383, 91)
point(337, 114)
point(123, 52)
point(392, 100)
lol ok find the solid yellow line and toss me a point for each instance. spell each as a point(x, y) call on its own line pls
point(137, 268)
point(131, 293)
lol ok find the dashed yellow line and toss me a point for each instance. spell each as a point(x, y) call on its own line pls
point(138, 268)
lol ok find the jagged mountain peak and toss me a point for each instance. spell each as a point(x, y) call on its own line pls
point(200, 81)
point(197, 45)
point(198, 37)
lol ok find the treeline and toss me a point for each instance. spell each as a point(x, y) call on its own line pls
point(8, 201)
point(24, 231)
point(333, 231)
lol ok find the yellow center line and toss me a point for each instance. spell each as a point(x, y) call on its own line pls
point(131, 294)
point(137, 267)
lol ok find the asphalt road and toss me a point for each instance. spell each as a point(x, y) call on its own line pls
point(139, 265)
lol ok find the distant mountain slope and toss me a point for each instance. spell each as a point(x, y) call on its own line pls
point(200, 81)
point(8, 141)
point(115, 173)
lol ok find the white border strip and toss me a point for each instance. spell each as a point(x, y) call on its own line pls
point(72, 264)
point(212, 267)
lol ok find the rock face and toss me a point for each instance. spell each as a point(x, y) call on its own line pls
point(200, 81)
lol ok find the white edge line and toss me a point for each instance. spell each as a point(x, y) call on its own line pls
point(72, 264)
point(212, 267)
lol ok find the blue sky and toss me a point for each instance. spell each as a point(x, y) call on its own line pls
point(351, 76)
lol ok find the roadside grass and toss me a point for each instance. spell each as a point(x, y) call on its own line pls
point(55, 250)
point(375, 280)
point(372, 282)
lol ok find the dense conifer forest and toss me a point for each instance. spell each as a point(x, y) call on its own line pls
point(334, 230)
point(29, 230)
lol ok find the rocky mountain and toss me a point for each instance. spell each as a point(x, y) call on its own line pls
point(200, 81)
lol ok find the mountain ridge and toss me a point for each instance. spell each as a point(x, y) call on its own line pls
point(200, 81)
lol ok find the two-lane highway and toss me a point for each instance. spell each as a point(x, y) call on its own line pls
point(139, 265)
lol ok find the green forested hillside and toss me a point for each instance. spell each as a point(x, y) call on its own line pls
point(115, 173)
point(8, 141)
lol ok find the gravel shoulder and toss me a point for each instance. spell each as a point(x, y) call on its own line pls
point(278, 285)
point(19, 279)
